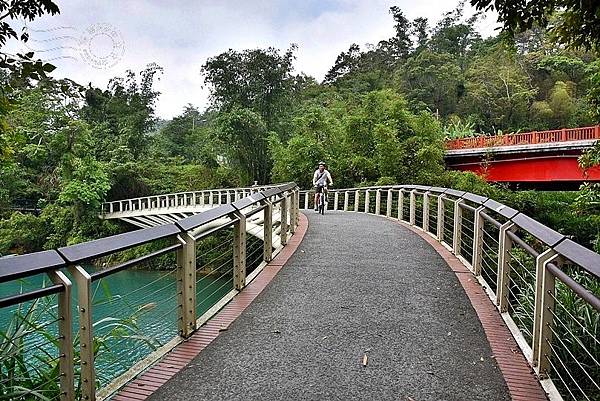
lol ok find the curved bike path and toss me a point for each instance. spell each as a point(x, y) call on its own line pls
point(357, 285)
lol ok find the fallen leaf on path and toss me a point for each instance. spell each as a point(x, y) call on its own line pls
point(365, 360)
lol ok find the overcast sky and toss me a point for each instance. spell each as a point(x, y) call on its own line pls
point(94, 40)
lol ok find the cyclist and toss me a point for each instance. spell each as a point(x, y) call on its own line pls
point(320, 179)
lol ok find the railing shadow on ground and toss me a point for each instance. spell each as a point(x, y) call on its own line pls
point(546, 287)
point(204, 261)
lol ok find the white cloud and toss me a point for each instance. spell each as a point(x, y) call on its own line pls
point(181, 35)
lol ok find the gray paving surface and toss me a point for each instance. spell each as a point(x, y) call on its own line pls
point(358, 284)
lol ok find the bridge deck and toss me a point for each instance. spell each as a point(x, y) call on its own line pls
point(357, 285)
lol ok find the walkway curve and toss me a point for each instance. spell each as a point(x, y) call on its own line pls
point(358, 285)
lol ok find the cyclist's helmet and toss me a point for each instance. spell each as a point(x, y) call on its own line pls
point(322, 163)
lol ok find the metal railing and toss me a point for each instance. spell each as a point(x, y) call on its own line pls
point(546, 287)
point(205, 260)
point(184, 200)
point(526, 138)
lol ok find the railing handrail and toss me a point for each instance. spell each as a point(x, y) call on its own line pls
point(201, 191)
point(526, 138)
point(27, 265)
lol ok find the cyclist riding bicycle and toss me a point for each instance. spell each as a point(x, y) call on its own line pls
point(320, 179)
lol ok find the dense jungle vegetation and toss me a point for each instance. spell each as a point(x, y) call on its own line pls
point(380, 116)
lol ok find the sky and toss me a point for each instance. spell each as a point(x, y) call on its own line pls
point(92, 41)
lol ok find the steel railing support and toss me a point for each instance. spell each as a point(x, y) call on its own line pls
point(336, 198)
point(426, 212)
point(457, 234)
point(284, 205)
point(378, 202)
point(346, 199)
point(292, 208)
point(441, 217)
point(478, 226)
point(504, 247)
point(186, 284)
point(413, 207)
point(388, 205)
point(65, 336)
point(86, 335)
point(239, 250)
point(543, 313)
point(268, 231)
point(401, 204)
point(367, 200)
point(356, 200)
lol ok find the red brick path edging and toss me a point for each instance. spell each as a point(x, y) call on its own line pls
point(149, 381)
point(518, 375)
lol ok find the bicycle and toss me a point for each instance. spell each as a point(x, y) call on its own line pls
point(323, 201)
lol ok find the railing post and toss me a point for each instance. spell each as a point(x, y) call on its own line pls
point(378, 202)
point(293, 212)
point(456, 239)
point(504, 247)
point(239, 251)
point(336, 198)
point(186, 283)
point(367, 199)
point(297, 208)
point(65, 336)
point(413, 207)
point(441, 217)
point(400, 205)
point(478, 226)
point(86, 334)
point(426, 212)
point(268, 231)
point(388, 205)
point(544, 308)
point(356, 200)
point(346, 199)
point(210, 198)
point(306, 194)
point(284, 219)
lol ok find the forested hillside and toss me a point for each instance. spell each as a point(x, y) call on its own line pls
point(379, 116)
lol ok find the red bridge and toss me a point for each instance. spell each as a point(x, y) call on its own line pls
point(532, 158)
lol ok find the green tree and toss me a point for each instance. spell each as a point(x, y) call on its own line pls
point(432, 81)
point(187, 136)
point(572, 22)
point(244, 138)
point(498, 91)
point(454, 36)
point(260, 80)
point(123, 115)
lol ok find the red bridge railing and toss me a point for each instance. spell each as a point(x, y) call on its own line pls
point(526, 138)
